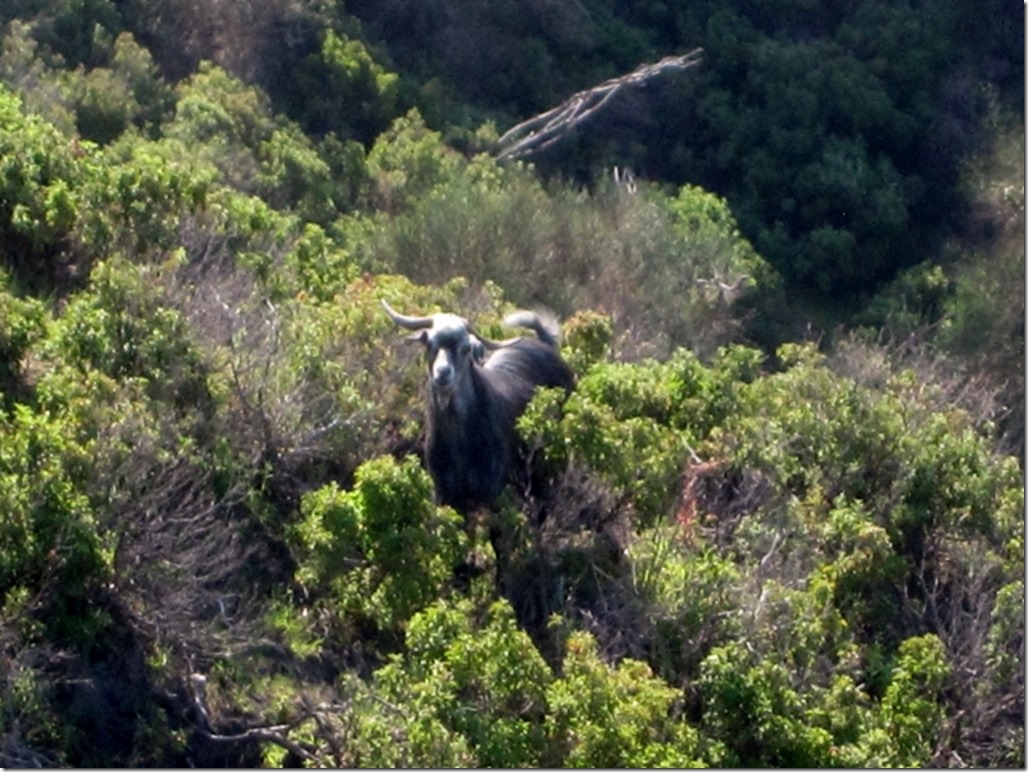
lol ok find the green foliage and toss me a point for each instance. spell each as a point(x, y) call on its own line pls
point(623, 716)
point(470, 690)
point(38, 175)
point(910, 714)
point(634, 424)
point(717, 556)
point(127, 93)
point(23, 320)
point(137, 195)
point(915, 300)
point(232, 126)
point(713, 240)
point(757, 715)
point(898, 481)
point(384, 549)
point(688, 591)
point(316, 265)
point(51, 541)
point(292, 174)
point(822, 425)
point(121, 327)
point(344, 86)
point(556, 246)
point(407, 161)
point(213, 106)
point(634, 454)
point(477, 692)
point(587, 339)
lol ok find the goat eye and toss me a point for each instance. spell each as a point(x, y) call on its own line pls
point(464, 349)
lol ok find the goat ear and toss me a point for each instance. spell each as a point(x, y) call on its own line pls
point(421, 336)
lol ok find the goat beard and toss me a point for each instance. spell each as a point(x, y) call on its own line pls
point(443, 396)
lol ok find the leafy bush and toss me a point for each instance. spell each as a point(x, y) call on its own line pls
point(39, 174)
point(407, 161)
point(137, 197)
point(123, 327)
point(344, 89)
point(754, 712)
point(715, 555)
point(637, 456)
point(23, 326)
point(470, 690)
point(129, 92)
point(560, 247)
point(686, 593)
point(52, 544)
point(623, 716)
point(384, 549)
point(910, 715)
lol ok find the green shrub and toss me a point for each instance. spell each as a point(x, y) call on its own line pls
point(407, 161)
point(470, 690)
point(383, 549)
point(587, 338)
point(343, 88)
point(53, 544)
point(293, 175)
point(911, 715)
point(688, 593)
point(634, 454)
point(557, 246)
point(23, 320)
point(40, 172)
point(614, 716)
point(753, 710)
point(128, 92)
point(138, 195)
point(124, 327)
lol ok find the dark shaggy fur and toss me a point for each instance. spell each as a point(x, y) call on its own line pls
point(476, 391)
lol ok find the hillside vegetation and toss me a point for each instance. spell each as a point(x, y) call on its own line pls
point(780, 520)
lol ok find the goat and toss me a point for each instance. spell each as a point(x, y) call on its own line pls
point(477, 388)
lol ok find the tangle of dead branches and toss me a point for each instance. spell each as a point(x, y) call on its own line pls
point(547, 129)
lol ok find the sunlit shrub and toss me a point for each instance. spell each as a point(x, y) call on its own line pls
point(614, 716)
point(561, 247)
point(911, 714)
point(39, 174)
point(293, 175)
point(231, 126)
point(688, 596)
point(52, 543)
point(315, 266)
point(864, 570)
point(383, 549)
point(472, 689)
point(407, 161)
point(635, 454)
point(137, 196)
point(123, 326)
point(752, 708)
point(587, 337)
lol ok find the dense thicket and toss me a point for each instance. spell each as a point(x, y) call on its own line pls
point(730, 545)
point(834, 131)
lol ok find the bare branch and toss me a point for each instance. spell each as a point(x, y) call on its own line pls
point(277, 734)
point(548, 128)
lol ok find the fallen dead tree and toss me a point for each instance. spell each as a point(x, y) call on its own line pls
point(547, 129)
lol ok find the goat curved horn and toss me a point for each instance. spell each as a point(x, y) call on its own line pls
point(409, 322)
